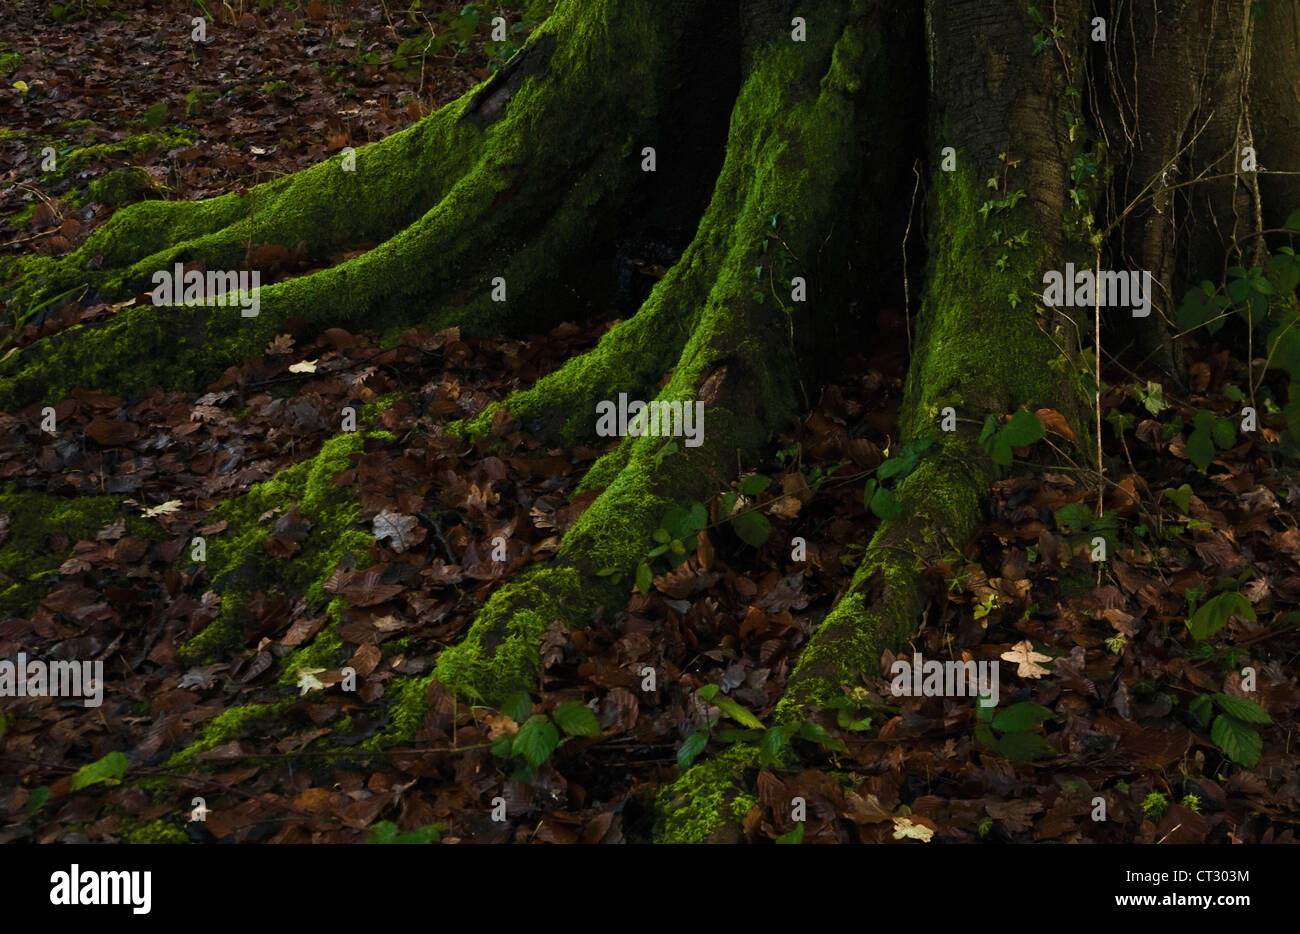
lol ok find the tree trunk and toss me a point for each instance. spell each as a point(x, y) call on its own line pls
point(776, 159)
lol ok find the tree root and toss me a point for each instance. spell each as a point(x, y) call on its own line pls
point(463, 199)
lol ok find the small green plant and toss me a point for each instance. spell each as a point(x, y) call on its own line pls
point(675, 537)
point(998, 438)
point(1154, 806)
point(1233, 730)
point(1214, 614)
point(1013, 733)
point(1047, 36)
point(108, 770)
point(387, 832)
point(879, 498)
point(539, 735)
point(1265, 299)
point(1209, 432)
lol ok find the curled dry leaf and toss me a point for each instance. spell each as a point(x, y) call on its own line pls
point(397, 528)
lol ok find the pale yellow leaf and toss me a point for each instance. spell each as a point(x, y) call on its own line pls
point(165, 509)
point(1023, 654)
point(904, 829)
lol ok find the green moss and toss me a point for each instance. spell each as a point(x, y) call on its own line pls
point(499, 654)
point(28, 566)
point(230, 724)
point(120, 186)
point(785, 160)
point(162, 830)
point(741, 805)
point(699, 806)
point(445, 187)
point(405, 713)
point(324, 652)
point(980, 320)
point(9, 62)
point(83, 158)
point(239, 565)
point(376, 407)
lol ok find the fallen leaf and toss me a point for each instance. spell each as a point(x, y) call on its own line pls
point(904, 829)
point(307, 680)
point(172, 505)
point(1023, 654)
point(397, 528)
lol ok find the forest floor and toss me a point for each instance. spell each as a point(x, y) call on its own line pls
point(1121, 700)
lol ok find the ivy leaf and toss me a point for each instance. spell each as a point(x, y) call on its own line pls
point(681, 523)
point(536, 739)
point(1242, 708)
point(387, 832)
point(1225, 433)
point(1202, 709)
point(109, 769)
point(752, 486)
point(576, 719)
point(1023, 716)
point(1181, 497)
point(693, 746)
point(895, 466)
point(1073, 517)
point(1239, 741)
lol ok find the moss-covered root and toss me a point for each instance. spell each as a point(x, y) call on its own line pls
point(237, 560)
point(709, 801)
point(484, 231)
point(738, 360)
point(940, 510)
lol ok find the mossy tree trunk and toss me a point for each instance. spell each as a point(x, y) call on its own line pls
point(798, 123)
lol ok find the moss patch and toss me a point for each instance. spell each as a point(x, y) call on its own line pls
point(239, 565)
point(707, 803)
point(28, 565)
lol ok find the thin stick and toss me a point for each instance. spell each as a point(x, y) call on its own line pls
point(907, 305)
point(1101, 469)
